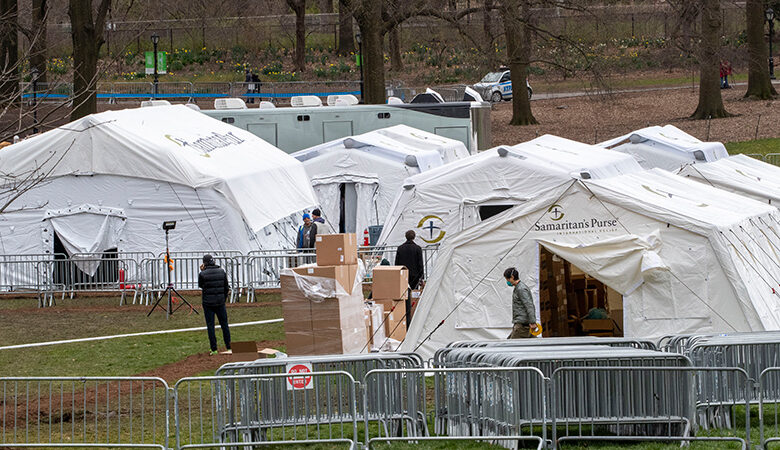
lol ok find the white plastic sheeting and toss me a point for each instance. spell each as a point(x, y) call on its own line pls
point(447, 200)
point(376, 163)
point(686, 257)
point(739, 173)
point(87, 229)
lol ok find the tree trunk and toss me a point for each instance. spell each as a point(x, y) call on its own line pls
point(759, 85)
point(87, 38)
point(299, 8)
point(518, 47)
point(370, 23)
point(710, 100)
point(40, 10)
point(346, 40)
point(396, 63)
point(487, 26)
point(9, 49)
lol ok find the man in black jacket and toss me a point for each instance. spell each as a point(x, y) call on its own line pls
point(410, 255)
point(213, 283)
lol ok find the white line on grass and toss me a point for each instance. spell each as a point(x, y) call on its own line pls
point(145, 333)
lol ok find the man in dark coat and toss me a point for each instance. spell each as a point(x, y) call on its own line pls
point(409, 254)
point(213, 283)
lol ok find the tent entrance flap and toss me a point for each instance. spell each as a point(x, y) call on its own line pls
point(84, 230)
point(347, 207)
point(573, 303)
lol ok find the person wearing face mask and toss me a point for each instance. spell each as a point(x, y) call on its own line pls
point(523, 310)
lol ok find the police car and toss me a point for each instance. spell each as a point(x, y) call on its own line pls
point(497, 86)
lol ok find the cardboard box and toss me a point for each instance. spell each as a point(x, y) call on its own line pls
point(390, 282)
point(336, 249)
point(344, 274)
point(300, 343)
point(395, 326)
point(376, 314)
point(296, 308)
point(340, 341)
point(341, 312)
point(244, 350)
point(398, 307)
point(597, 325)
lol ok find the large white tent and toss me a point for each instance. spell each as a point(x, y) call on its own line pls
point(109, 180)
point(356, 178)
point(672, 149)
point(686, 257)
point(454, 197)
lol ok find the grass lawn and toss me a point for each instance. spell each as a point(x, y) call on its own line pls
point(760, 146)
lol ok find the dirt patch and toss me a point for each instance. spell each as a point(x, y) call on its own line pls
point(596, 118)
point(195, 364)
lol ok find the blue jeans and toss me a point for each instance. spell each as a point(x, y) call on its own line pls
point(209, 312)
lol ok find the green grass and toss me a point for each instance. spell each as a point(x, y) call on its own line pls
point(22, 323)
point(759, 146)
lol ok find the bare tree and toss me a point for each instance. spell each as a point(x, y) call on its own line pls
point(299, 8)
point(710, 100)
point(394, 38)
point(375, 18)
point(9, 47)
point(87, 34)
point(39, 12)
point(759, 85)
point(346, 40)
point(14, 185)
point(517, 18)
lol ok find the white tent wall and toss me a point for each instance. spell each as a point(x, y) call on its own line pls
point(687, 276)
point(203, 222)
point(741, 174)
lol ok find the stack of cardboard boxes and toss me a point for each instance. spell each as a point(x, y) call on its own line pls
point(335, 323)
point(389, 289)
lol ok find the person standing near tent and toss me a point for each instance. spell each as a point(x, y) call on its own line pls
point(307, 233)
point(323, 227)
point(409, 254)
point(523, 310)
point(213, 282)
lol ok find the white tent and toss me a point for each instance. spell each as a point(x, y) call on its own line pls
point(672, 149)
point(686, 257)
point(112, 178)
point(457, 196)
point(356, 178)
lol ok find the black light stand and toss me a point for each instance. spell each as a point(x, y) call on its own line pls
point(170, 290)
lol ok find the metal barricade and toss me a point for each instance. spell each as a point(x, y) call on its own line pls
point(184, 276)
point(318, 407)
point(769, 406)
point(356, 365)
point(178, 90)
point(771, 158)
point(206, 90)
point(106, 274)
point(373, 256)
point(84, 412)
point(130, 91)
point(263, 269)
point(500, 404)
point(632, 403)
point(43, 274)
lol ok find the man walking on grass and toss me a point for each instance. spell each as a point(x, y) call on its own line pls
point(213, 283)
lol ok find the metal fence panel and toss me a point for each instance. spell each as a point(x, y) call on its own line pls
point(86, 411)
point(316, 408)
point(771, 158)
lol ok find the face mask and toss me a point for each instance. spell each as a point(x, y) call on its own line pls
point(509, 283)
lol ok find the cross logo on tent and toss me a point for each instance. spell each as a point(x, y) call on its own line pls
point(431, 224)
point(556, 212)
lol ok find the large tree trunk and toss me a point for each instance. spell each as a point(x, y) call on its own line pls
point(710, 100)
point(299, 8)
point(396, 63)
point(759, 85)
point(87, 39)
point(370, 23)
point(518, 47)
point(38, 55)
point(346, 41)
point(9, 49)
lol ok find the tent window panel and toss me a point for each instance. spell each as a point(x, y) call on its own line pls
point(488, 211)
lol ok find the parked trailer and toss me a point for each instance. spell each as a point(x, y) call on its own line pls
point(295, 128)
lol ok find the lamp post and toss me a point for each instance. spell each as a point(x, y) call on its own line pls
point(155, 40)
point(34, 76)
point(359, 40)
point(770, 17)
